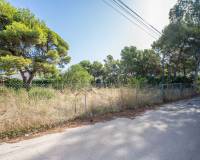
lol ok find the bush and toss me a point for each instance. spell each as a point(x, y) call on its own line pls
point(137, 81)
point(154, 80)
point(41, 93)
point(14, 83)
point(42, 82)
point(77, 77)
point(181, 79)
point(178, 79)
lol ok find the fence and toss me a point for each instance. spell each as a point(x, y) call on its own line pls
point(45, 106)
point(88, 99)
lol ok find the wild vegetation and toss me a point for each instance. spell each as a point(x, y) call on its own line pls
point(42, 108)
point(46, 96)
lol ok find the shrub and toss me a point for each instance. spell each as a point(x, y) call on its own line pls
point(137, 81)
point(181, 79)
point(14, 83)
point(41, 93)
point(42, 82)
point(77, 77)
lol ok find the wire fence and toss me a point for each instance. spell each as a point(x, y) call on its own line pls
point(122, 95)
point(44, 105)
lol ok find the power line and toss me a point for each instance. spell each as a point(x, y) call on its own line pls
point(118, 11)
point(120, 1)
point(131, 13)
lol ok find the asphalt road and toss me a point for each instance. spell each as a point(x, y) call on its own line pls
point(170, 133)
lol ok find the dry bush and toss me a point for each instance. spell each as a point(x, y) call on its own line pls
point(173, 94)
point(21, 110)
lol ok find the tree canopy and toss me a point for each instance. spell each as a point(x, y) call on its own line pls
point(27, 45)
point(142, 63)
point(77, 77)
point(180, 41)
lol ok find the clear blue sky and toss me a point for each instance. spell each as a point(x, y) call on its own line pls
point(92, 29)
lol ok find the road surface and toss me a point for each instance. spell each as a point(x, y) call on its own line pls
point(170, 133)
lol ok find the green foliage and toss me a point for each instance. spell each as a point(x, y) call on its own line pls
point(43, 82)
point(97, 69)
point(86, 65)
point(137, 82)
point(187, 11)
point(111, 71)
point(181, 79)
point(18, 33)
point(27, 45)
point(129, 60)
point(139, 63)
point(37, 93)
point(14, 83)
point(11, 63)
point(6, 13)
point(180, 41)
point(77, 77)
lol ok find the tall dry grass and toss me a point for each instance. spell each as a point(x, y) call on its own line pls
point(21, 111)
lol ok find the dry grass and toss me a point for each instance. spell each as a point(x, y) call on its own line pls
point(21, 111)
point(176, 94)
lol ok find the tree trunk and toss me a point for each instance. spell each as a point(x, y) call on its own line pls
point(169, 73)
point(184, 70)
point(163, 69)
point(27, 81)
point(175, 71)
point(196, 74)
point(24, 78)
point(196, 70)
point(30, 79)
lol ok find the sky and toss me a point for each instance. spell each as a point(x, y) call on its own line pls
point(93, 30)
